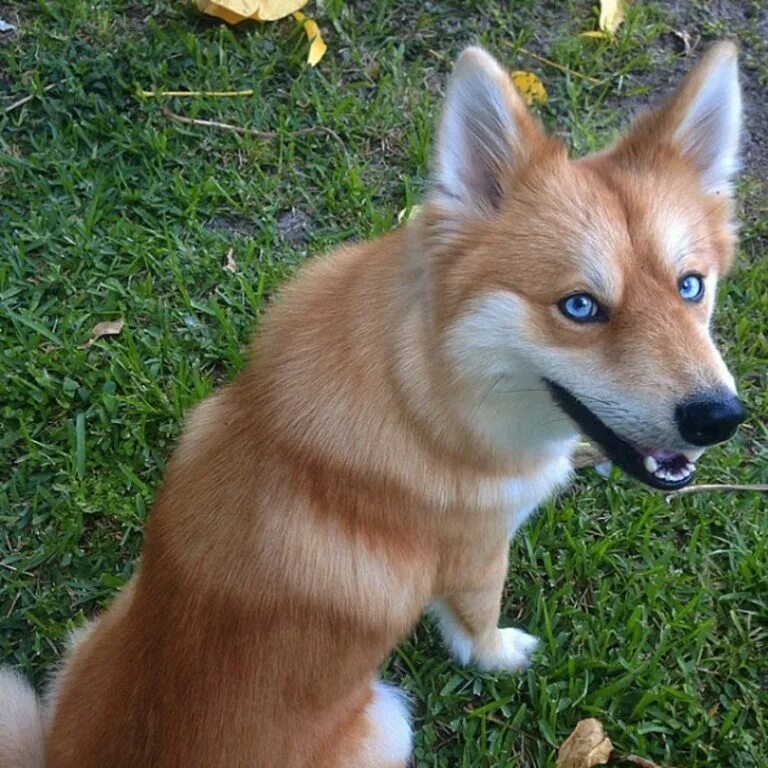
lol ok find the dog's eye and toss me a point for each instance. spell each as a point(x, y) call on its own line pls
point(582, 308)
point(691, 287)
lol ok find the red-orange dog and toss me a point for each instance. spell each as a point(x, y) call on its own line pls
point(410, 401)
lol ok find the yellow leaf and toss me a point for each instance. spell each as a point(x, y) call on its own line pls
point(586, 747)
point(235, 11)
point(317, 46)
point(611, 15)
point(595, 35)
point(530, 87)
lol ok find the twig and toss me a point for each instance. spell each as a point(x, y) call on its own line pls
point(551, 63)
point(24, 99)
point(222, 126)
point(758, 487)
point(266, 135)
point(152, 94)
point(641, 761)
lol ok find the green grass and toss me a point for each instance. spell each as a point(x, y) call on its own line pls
point(653, 614)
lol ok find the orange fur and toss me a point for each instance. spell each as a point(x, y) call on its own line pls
point(316, 505)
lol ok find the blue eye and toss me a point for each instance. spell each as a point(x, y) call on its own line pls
point(582, 308)
point(691, 287)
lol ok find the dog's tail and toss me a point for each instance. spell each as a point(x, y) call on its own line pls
point(22, 739)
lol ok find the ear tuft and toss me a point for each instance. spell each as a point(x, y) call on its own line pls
point(483, 133)
point(706, 117)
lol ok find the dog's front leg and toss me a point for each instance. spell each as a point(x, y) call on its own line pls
point(468, 618)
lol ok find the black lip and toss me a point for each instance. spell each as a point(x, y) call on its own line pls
point(618, 450)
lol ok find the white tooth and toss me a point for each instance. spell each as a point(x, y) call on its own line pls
point(650, 464)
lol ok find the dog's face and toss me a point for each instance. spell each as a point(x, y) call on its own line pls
point(580, 293)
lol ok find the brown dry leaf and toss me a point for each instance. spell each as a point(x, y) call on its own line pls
point(235, 11)
point(586, 746)
point(317, 46)
point(530, 87)
point(687, 40)
point(611, 15)
point(230, 264)
point(107, 328)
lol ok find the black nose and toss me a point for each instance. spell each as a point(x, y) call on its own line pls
point(706, 422)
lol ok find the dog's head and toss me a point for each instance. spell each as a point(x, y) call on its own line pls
point(580, 292)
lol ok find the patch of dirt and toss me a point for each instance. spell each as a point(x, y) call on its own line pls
point(703, 24)
point(747, 23)
point(235, 225)
point(293, 227)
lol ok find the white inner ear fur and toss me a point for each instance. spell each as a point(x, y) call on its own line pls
point(710, 128)
point(478, 135)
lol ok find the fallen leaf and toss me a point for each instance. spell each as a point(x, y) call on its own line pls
point(611, 15)
point(595, 35)
point(107, 328)
point(317, 46)
point(586, 746)
point(235, 11)
point(231, 264)
point(529, 86)
point(689, 41)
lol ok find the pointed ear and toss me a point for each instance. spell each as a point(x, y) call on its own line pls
point(485, 131)
point(702, 120)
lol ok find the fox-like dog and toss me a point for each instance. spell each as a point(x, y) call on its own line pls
point(409, 402)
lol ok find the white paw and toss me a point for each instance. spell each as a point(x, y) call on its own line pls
point(508, 651)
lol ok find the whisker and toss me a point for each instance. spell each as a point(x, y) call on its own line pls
point(490, 390)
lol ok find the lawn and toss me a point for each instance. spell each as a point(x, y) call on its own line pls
point(653, 612)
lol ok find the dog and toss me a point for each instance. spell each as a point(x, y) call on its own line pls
point(409, 402)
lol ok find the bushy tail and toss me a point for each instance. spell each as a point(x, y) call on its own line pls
point(21, 723)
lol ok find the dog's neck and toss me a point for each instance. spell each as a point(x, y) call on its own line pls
point(501, 420)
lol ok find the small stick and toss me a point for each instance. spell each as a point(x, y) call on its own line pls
point(641, 761)
point(151, 94)
point(22, 101)
point(222, 126)
point(551, 63)
point(266, 135)
point(759, 487)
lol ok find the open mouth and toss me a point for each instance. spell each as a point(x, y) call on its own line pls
point(659, 468)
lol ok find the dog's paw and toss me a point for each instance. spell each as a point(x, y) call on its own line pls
point(509, 650)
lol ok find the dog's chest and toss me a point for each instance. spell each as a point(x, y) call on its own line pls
point(517, 497)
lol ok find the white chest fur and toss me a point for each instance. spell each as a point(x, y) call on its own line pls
point(518, 497)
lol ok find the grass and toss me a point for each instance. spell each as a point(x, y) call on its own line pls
point(653, 614)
